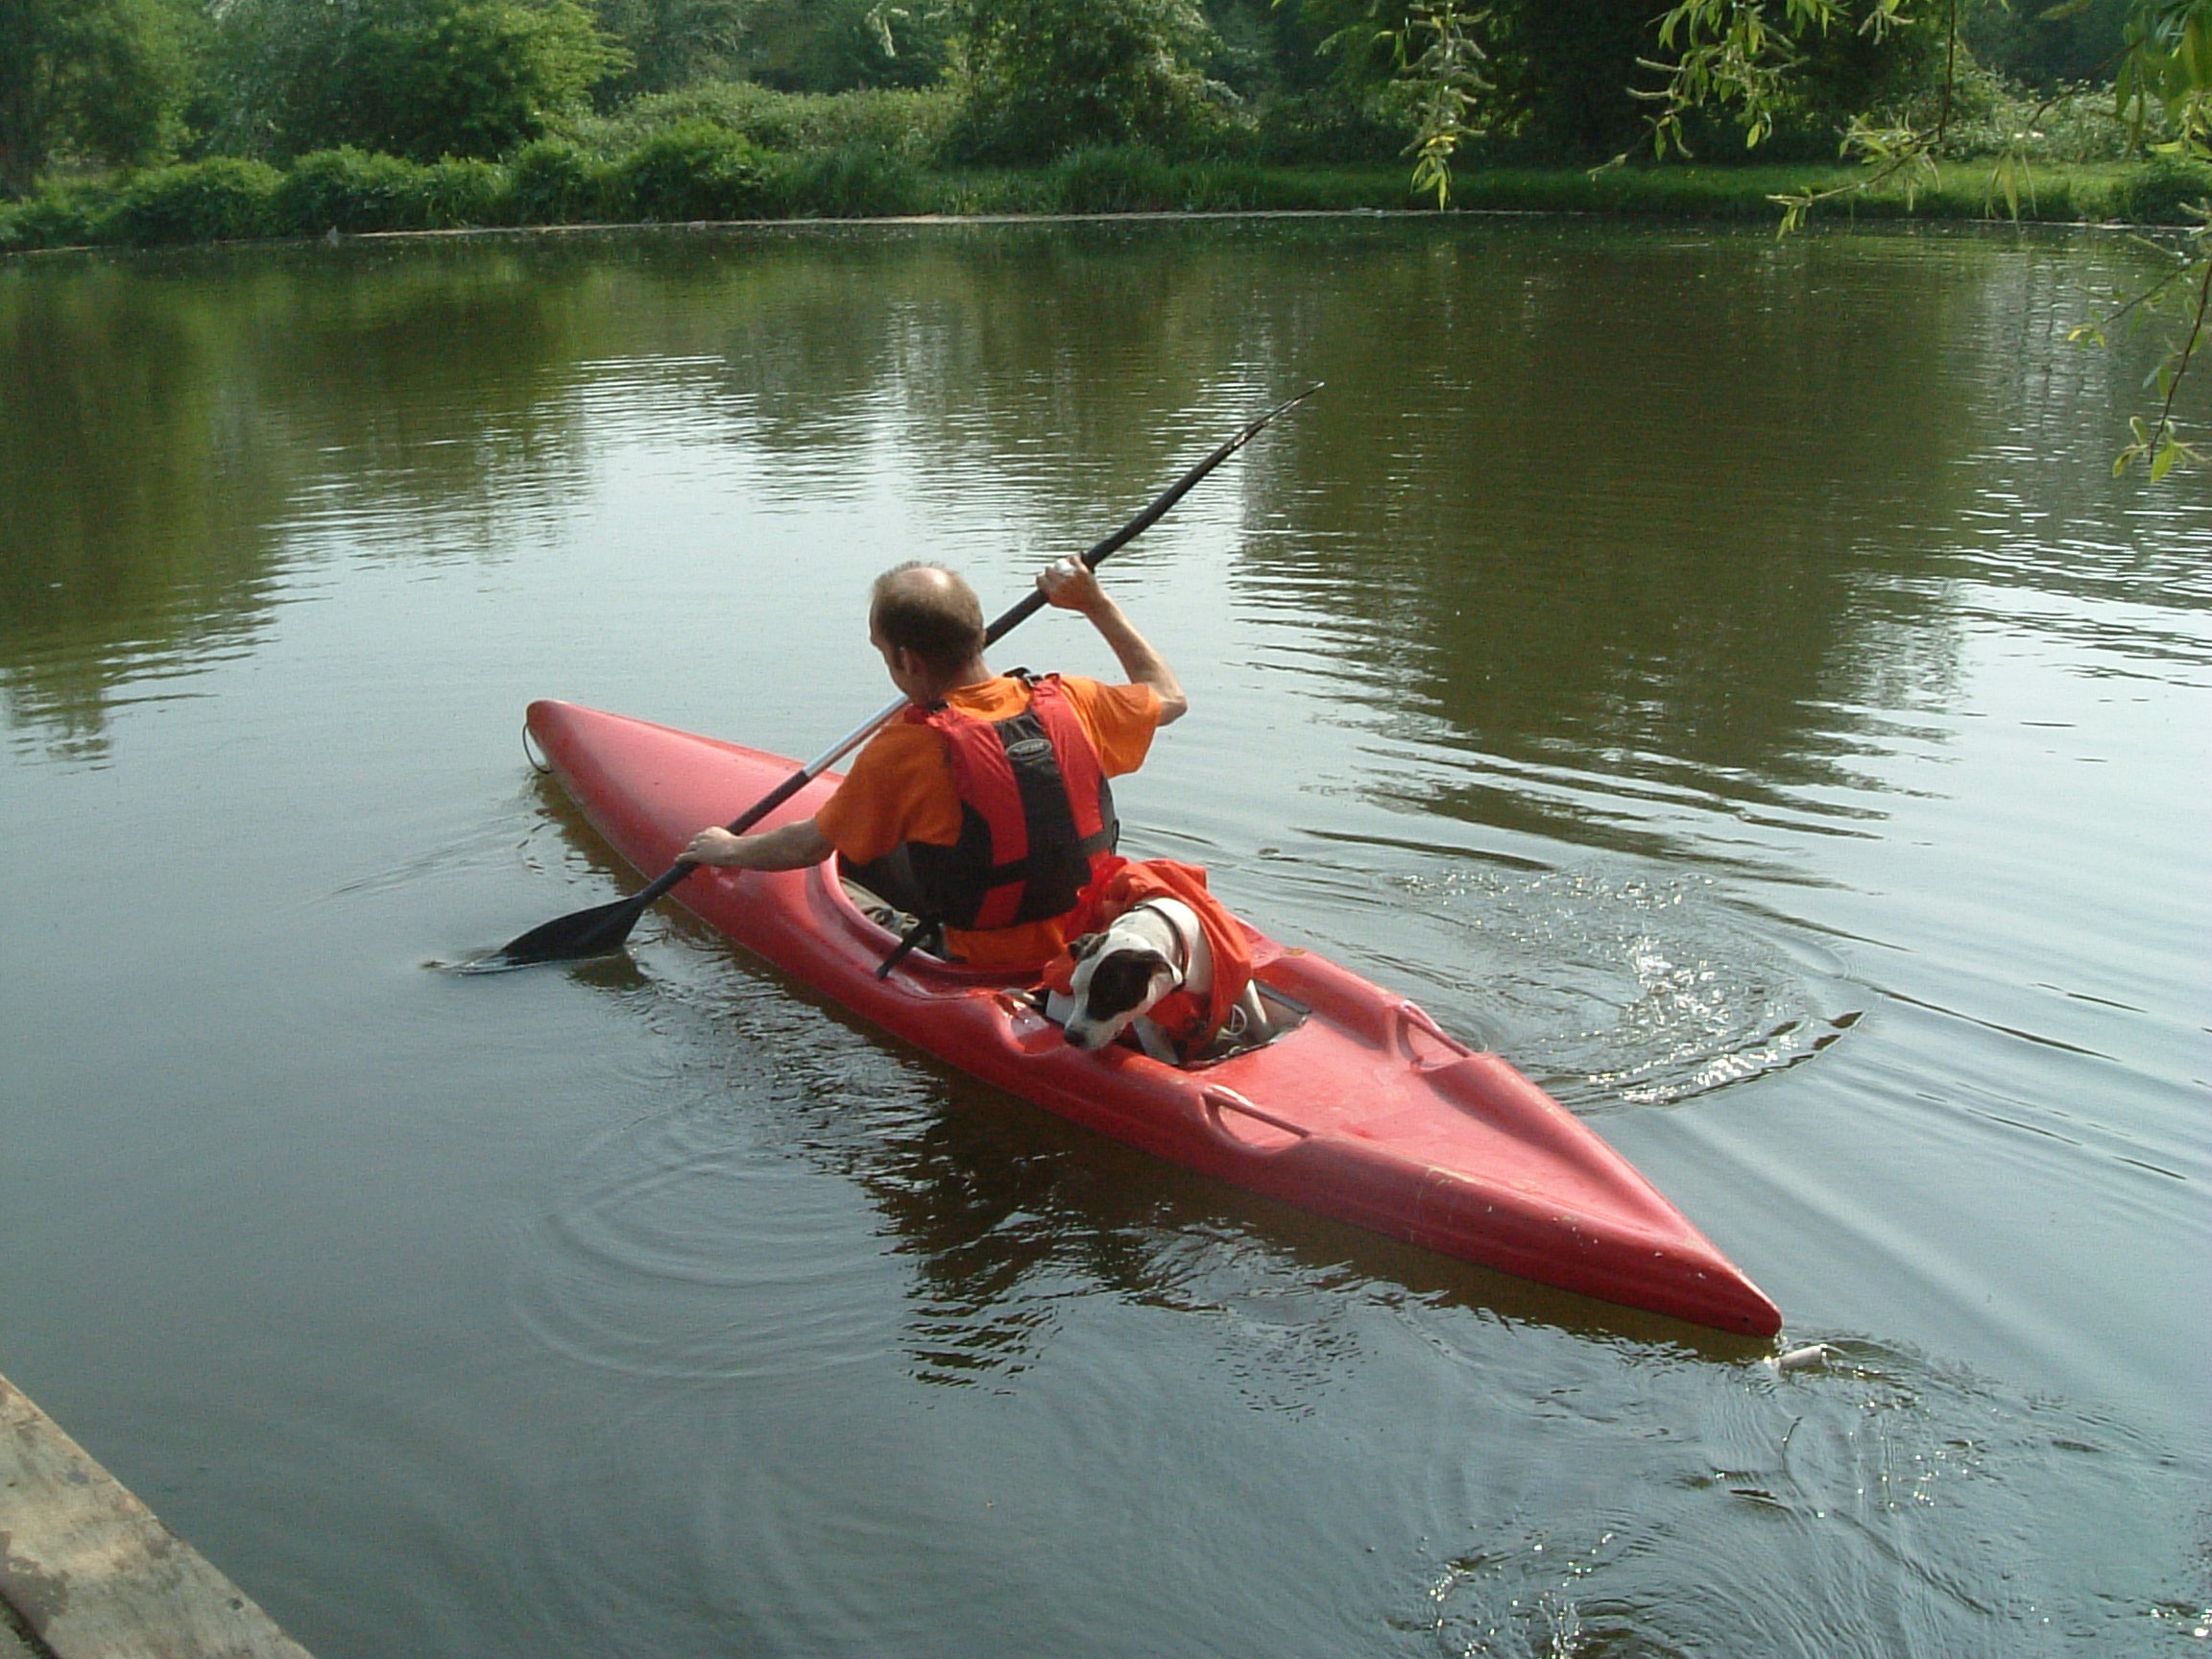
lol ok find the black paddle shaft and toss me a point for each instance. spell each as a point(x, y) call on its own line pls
point(602, 930)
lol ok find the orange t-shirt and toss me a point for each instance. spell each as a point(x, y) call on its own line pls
point(901, 789)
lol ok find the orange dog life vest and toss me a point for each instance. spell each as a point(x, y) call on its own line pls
point(1122, 885)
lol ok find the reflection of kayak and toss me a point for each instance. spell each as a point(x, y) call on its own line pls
point(1366, 1110)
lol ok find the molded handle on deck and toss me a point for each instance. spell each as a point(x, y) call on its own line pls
point(1410, 1022)
point(1266, 1132)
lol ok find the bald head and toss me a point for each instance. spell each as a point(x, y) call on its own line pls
point(930, 610)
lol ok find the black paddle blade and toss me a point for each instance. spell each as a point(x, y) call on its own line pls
point(599, 931)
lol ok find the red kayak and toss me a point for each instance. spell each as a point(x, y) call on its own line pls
point(1366, 1110)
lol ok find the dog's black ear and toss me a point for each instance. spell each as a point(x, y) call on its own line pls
point(1083, 945)
point(1125, 980)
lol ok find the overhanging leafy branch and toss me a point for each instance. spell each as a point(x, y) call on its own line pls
point(1737, 56)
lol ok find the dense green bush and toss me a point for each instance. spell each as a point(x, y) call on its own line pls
point(848, 184)
point(693, 171)
point(1132, 178)
point(349, 190)
point(2163, 192)
point(1115, 179)
point(356, 192)
point(912, 126)
point(1333, 124)
point(1989, 117)
point(553, 182)
point(460, 192)
point(220, 200)
point(56, 216)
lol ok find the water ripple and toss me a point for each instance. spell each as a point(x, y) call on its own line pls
point(678, 1252)
point(1879, 1505)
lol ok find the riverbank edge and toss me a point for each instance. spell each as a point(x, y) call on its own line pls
point(926, 221)
point(2146, 195)
point(89, 1571)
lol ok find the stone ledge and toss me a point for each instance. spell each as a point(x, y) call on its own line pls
point(13, 1645)
point(91, 1571)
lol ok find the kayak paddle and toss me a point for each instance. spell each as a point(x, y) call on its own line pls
point(600, 932)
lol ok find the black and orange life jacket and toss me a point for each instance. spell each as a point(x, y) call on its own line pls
point(1035, 814)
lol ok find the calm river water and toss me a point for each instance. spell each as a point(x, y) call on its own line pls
point(1723, 676)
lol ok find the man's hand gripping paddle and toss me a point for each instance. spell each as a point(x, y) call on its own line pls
point(601, 931)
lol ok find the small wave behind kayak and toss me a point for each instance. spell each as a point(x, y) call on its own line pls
point(1609, 989)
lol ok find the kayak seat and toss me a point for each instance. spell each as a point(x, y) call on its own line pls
point(885, 914)
point(1280, 1015)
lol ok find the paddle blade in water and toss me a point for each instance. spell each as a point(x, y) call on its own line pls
point(599, 931)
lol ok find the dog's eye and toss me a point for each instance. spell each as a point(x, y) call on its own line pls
point(1085, 945)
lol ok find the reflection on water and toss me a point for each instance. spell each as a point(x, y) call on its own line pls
point(1618, 539)
point(169, 425)
point(1723, 676)
point(1592, 551)
point(1624, 564)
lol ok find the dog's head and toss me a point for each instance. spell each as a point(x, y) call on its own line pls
point(1118, 974)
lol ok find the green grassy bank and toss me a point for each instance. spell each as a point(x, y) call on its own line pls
point(699, 170)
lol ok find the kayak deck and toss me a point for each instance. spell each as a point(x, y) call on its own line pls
point(1367, 1112)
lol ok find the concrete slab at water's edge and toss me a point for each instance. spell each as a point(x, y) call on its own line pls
point(94, 1573)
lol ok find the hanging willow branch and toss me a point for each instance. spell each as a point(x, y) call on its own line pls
point(1737, 56)
point(1447, 68)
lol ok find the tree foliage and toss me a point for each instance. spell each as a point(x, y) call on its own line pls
point(672, 43)
point(1536, 80)
point(846, 45)
point(1568, 74)
point(1045, 77)
point(99, 75)
point(2047, 46)
point(413, 78)
point(474, 77)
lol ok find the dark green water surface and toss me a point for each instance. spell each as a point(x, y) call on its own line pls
point(1723, 676)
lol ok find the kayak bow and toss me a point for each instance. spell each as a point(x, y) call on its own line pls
point(1367, 1112)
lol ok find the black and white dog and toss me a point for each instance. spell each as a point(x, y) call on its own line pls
point(1148, 952)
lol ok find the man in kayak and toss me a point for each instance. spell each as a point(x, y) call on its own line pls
point(984, 806)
